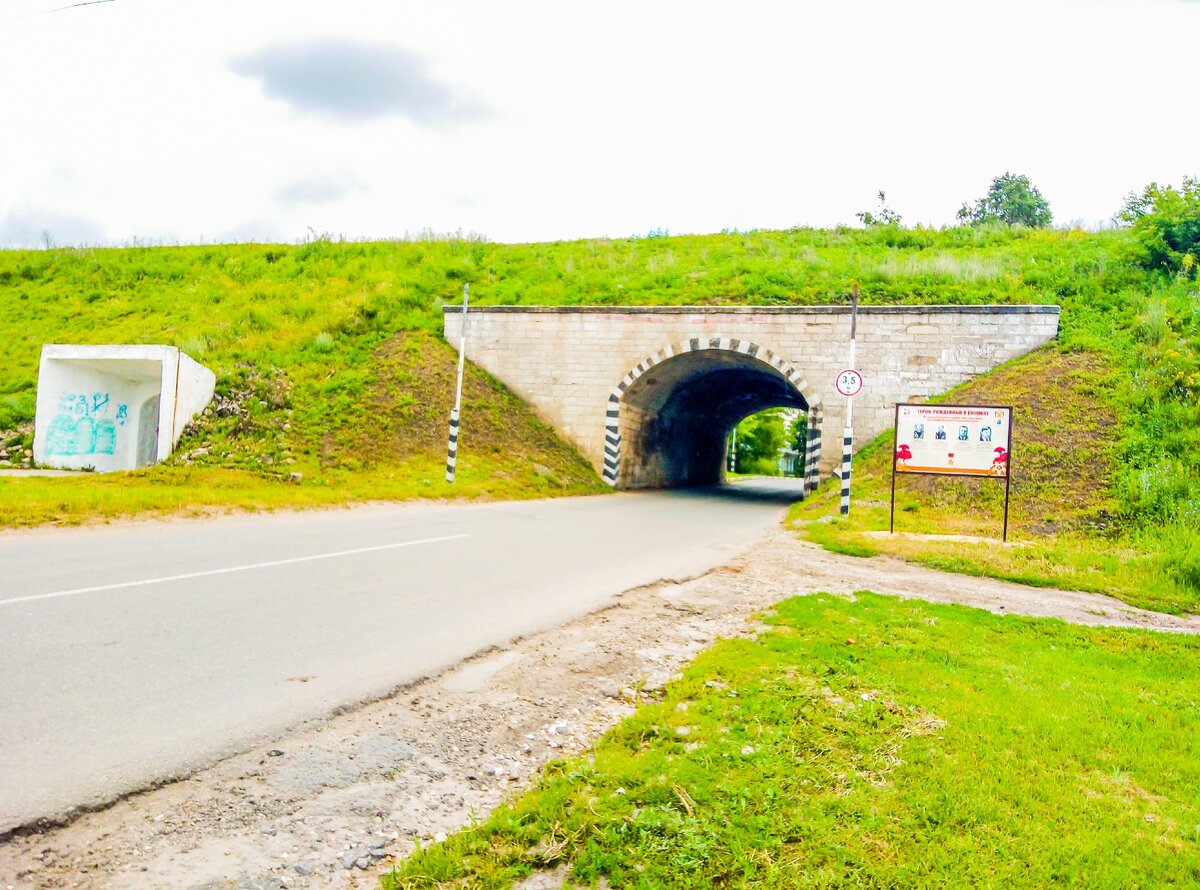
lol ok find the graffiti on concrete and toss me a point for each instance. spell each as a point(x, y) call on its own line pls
point(83, 425)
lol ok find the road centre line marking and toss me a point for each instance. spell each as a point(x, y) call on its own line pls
point(226, 571)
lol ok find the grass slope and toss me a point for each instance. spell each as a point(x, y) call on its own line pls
point(1063, 512)
point(302, 340)
point(331, 303)
point(876, 743)
point(384, 442)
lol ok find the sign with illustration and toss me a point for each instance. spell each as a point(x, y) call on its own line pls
point(953, 440)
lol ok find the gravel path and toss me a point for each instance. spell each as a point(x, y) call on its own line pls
point(330, 805)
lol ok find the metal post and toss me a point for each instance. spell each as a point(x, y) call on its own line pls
point(452, 447)
point(1007, 478)
point(892, 513)
point(848, 433)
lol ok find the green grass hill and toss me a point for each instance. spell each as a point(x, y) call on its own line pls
point(330, 363)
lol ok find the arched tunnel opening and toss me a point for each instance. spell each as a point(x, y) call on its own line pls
point(675, 414)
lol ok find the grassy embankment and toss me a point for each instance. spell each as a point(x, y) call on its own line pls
point(329, 351)
point(378, 437)
point(1068, 524)
point(876, 743)
point(1105, 488)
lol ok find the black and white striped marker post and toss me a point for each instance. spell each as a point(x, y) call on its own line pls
point(849, 382)
point(612, 438)
point(452, 448)
point(812, 461)
point(847, 448)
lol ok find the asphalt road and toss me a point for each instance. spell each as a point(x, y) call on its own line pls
point(137, 653)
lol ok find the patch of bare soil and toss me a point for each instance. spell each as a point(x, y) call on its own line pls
point(415, 378)
point(331, 806)
point(1064, 434)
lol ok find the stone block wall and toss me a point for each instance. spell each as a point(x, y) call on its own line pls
point(566, 361)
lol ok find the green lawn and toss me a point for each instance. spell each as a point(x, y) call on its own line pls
point(876, 743)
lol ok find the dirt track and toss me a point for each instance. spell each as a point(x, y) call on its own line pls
point(328, 806)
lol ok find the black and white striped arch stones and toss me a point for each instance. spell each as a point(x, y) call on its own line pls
point(668, 419)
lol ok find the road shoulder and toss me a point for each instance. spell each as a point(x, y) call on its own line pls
point(330, 806)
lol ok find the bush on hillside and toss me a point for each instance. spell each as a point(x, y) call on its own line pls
point(1166, 226)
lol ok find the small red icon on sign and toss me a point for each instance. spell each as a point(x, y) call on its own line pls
point(1000, 464)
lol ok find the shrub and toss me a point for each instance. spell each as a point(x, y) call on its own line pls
point(1166, 227)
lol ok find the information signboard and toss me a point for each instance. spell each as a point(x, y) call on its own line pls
point(953, 440)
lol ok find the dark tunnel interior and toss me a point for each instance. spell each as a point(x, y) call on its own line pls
point(676, 417)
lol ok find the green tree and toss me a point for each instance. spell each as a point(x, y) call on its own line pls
point(1011, 199)
point(759, 439)
point(797, 435)
point(1166, 226)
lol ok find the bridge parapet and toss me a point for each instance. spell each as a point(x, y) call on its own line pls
point(569, 362)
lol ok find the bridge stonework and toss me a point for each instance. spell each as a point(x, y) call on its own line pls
point(648, 395)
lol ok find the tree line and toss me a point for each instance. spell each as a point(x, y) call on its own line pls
point(1163, 220)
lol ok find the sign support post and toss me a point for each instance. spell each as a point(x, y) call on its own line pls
point(892, 515)
point(452, 447)
point(1007, 483)
point(848, 433)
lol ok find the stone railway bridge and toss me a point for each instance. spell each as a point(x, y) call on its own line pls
point(649, 395)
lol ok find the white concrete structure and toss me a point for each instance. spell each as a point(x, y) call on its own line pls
point(649, 394)
point(115, 407)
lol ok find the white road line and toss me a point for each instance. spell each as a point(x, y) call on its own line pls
point(258, 565)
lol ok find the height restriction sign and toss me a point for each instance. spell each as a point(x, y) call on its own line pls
point(849, 382)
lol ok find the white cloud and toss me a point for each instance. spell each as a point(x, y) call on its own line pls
point(26, 226)
point(354, 81)
point(314, 190)
point(599, 121)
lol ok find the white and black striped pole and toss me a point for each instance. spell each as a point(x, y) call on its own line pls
point(848, 384)
point(812, 462)
point(452, 448)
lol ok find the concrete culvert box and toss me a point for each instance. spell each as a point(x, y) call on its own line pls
point(115, 407)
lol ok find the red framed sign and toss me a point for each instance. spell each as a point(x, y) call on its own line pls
point(848, 382)
point(953, 440)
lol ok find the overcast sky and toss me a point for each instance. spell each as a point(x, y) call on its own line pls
point(189, 121)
